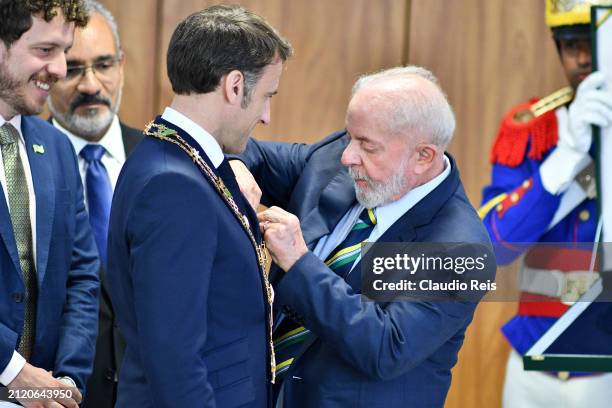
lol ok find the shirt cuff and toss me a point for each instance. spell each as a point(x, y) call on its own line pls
point(559, 169)
point(12, 369)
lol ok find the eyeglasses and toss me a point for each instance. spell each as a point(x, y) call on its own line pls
point(103, 70)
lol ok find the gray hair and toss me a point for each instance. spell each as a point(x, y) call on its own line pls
point(93, 6)
point(424, 110)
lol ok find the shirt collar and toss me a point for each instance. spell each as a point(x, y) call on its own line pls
point(111, 141)
point(206, 141)
point(16, 122)
point(387, 214)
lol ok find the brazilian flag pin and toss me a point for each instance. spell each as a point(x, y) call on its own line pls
point(40, 149)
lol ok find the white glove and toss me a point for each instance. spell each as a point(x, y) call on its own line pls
point(591, 106)
point(561, 167)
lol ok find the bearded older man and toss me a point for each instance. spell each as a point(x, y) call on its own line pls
point(387, 178)
point(84, 106)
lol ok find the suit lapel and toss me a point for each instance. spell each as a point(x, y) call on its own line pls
point(7, 234)
point(403, 230)
point(195, 145)
point(131, 137)
point(44, 189)
point(336, 198)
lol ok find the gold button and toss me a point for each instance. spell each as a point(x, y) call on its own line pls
point(526, 183)
point(514, 197)
point(563, 375)
point(584, 215)
point(499, 208)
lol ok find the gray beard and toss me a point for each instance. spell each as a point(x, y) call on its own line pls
point(87, 126)
point(379, 193)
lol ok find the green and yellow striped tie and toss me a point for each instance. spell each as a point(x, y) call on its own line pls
point(19, 208)
point(291, 335)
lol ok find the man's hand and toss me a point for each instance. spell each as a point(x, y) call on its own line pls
point(247, 183)
point(37, 379)
point(284, 240)
point(591, 106)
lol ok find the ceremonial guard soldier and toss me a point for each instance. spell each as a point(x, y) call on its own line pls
point(543, 191)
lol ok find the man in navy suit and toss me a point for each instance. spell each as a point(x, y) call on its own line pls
point(387, 175)
point(84, 106)
point(48, 260)
point(186, 271)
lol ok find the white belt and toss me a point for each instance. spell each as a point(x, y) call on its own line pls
point(568, 286)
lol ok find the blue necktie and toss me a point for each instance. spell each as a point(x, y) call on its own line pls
point(290, 336)
point(99, 195)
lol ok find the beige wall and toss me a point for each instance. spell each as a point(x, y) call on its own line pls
point(488, 55)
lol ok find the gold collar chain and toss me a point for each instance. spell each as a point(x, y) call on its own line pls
point(167, 134)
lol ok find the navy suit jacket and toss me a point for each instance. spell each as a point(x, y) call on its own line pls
point(365, 354)
point(66, 263)
point(186, 288)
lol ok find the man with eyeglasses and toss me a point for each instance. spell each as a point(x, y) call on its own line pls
point(84, 106)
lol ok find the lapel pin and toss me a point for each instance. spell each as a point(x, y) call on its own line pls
point(40, 149)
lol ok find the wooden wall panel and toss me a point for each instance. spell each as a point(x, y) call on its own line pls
point(137, 21)
point(489, 55)
point(334, 42)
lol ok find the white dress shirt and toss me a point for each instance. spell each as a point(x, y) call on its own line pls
point(206, 141)
point(17, 362)
point(114, 154)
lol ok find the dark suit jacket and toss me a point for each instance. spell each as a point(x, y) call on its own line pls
point(102, 384)
point(66, 263)
point(366, 354)
point(186, 288)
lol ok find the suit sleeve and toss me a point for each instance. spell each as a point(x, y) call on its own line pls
point(173, 239)
point(395, 337)
point(8, 339)
point(79, 323)
point(276, 167)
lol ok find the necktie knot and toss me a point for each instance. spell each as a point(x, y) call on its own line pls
point(8, 134)
point(368, 217)
point(92, 152)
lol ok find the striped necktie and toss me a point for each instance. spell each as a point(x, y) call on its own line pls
point(19, 207)
point(341, 260)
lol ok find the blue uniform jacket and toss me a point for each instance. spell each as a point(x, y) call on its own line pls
point(523, 217)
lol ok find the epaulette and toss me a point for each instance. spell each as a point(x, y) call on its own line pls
point(532, 124)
